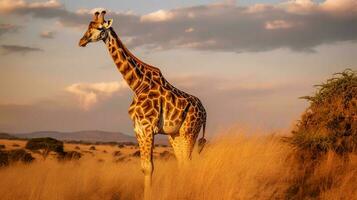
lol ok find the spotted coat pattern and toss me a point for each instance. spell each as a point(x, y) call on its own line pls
point(157, 107)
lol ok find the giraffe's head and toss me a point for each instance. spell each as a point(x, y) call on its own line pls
point(97, 29)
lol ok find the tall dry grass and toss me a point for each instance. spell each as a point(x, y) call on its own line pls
point(232, 166)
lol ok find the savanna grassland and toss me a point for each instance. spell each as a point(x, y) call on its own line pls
point(315, 160)
point(233, 166)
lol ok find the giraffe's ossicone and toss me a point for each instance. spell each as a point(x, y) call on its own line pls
point(157, 107)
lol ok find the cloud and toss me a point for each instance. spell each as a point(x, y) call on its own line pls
point(299, 25)
point(158, 16)
point(278, 24)
point(23, 6)
point(10, 49)
point(88, 94)
point(47, 34)
point(8, 28)
point(340, 5)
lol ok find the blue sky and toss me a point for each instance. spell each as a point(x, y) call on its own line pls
point(248, 61)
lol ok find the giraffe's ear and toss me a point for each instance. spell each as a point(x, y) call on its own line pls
point(108, 24)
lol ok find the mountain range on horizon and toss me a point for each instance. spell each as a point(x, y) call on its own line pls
point(85, 136)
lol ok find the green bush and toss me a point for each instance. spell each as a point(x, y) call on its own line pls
point(327, 128)
point(330, 122)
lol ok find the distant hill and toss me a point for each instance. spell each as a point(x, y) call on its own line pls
point(85, 136)
point(6, 136)
point(88, 136)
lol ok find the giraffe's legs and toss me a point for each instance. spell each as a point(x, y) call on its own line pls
point(184, 142)
point(182, 148)
point(145, 139)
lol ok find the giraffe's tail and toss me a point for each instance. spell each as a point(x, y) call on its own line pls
point(202, 141)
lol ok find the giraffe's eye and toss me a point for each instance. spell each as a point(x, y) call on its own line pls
point(100, 27)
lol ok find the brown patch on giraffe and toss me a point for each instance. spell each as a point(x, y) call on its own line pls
point(174, 114)
point(118, 62)
point(115, 57)
point(154, 95)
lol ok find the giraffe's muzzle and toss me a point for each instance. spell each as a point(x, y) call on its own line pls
point(83, 42)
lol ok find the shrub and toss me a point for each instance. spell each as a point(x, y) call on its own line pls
point(121, 159)
point(46, 145)
point(18, 155)
point(327, 131)
point(136, 154)
point(92, 148)
point(16, 145)
point(117, 153)
point(4, 158)
point(2, 146)
point(330, 122)
point(69, 155)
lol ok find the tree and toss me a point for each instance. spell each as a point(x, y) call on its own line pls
point(45, 145)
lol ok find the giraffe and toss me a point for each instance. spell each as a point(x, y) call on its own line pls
point(157, 107)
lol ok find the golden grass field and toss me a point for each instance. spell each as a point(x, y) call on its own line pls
point(233, 165)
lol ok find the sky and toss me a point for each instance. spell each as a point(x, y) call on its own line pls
point(248, 61)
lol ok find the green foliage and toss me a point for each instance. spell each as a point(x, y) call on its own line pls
point(46, 144)
point(327, 128)
point(330, 122)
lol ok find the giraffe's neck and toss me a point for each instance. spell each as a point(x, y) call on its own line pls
point(126, 63)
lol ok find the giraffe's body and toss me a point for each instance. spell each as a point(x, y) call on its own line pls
point(157, 107)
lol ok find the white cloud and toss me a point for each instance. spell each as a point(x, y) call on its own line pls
point(189, 30)
point(10, 5)
point(299, 25)
point(83, 11)
point(299, 6)
point(158, 16)
point(340, 5)
point(256, 8)
point(46, 4)
point(278, 24)
point(88, 94)
point(47, 34)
